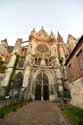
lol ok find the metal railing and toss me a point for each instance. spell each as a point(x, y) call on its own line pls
point(4, 103)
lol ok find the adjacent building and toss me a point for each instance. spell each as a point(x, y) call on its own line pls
point(74, 65)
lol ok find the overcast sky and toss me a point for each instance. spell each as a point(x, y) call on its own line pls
point(18, 17)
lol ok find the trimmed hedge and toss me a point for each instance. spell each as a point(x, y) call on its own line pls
point(11, 107)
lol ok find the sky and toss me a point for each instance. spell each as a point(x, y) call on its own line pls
point(18, 17)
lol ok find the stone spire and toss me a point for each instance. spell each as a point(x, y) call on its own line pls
point(71, 36)
point(61, 47)
point(33, 31)
point(52, 36)
point(59, 38)
point(4, 43)
point(33, 34)
point(42, 28)
point(4, 50)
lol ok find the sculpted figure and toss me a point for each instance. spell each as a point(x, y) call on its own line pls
point(4, 50)
point(19, 50)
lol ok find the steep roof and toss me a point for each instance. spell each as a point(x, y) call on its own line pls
point(74, 50)
point(42, 33)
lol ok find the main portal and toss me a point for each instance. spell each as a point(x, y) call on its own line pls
point(42, 87)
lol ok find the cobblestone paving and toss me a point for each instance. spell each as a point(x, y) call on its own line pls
point(36, 113)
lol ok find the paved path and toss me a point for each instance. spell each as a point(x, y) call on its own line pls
point(36, 113)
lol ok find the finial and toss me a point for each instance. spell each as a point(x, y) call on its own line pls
point(52, 36)
point(33, 29)
point(52, 33)
point(42, 28)
point(58, 34)
point(60, 38)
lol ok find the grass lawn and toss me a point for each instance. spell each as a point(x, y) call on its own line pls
point(74, 114)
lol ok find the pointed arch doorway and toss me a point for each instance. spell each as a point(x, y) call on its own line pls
point(42, 87)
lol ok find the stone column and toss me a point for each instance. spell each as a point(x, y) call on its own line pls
point(27, 66)
point(66, 82)
point(8, 73)
point(50, 98)
point(67, 93)
point(42, 88)
point(59, 81)
point(26, 76)
point(62, 53)
point(26, 81)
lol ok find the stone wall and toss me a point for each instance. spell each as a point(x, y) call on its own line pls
point(1, 77)
point(77, 92)
point(73, 66)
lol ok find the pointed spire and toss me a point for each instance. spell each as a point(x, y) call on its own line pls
point(33, 31)
point(42, 28)
point(52, 36)
point(71, 36)
point(59, 35)
point(52, 33)
point(59, 38)
point(4, 43)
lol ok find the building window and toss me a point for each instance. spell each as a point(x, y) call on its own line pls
point(21, 62)
point(80, 59)
point(69, 68)
point(18, 80)
point(70, 71)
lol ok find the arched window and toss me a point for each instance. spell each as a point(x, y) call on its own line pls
point(18, 80)
point(21, 62)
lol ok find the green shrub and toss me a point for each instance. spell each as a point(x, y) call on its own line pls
point(11, 107)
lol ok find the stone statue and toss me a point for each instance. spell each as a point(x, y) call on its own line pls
point(4, 50)
point(19, 50)
point(29, 55)
point(55, 62)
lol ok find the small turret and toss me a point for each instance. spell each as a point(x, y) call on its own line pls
point(61, 47)
point(42, 28)
point(18, 42)
point(33, 31)
point(52, 36)
point(33, 34)
point(4, 50)
point(60, 38)
point(4, 43)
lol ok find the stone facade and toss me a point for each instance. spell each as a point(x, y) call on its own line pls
point(36, 71)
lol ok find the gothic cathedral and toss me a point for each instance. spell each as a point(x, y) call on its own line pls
point(36, 71)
